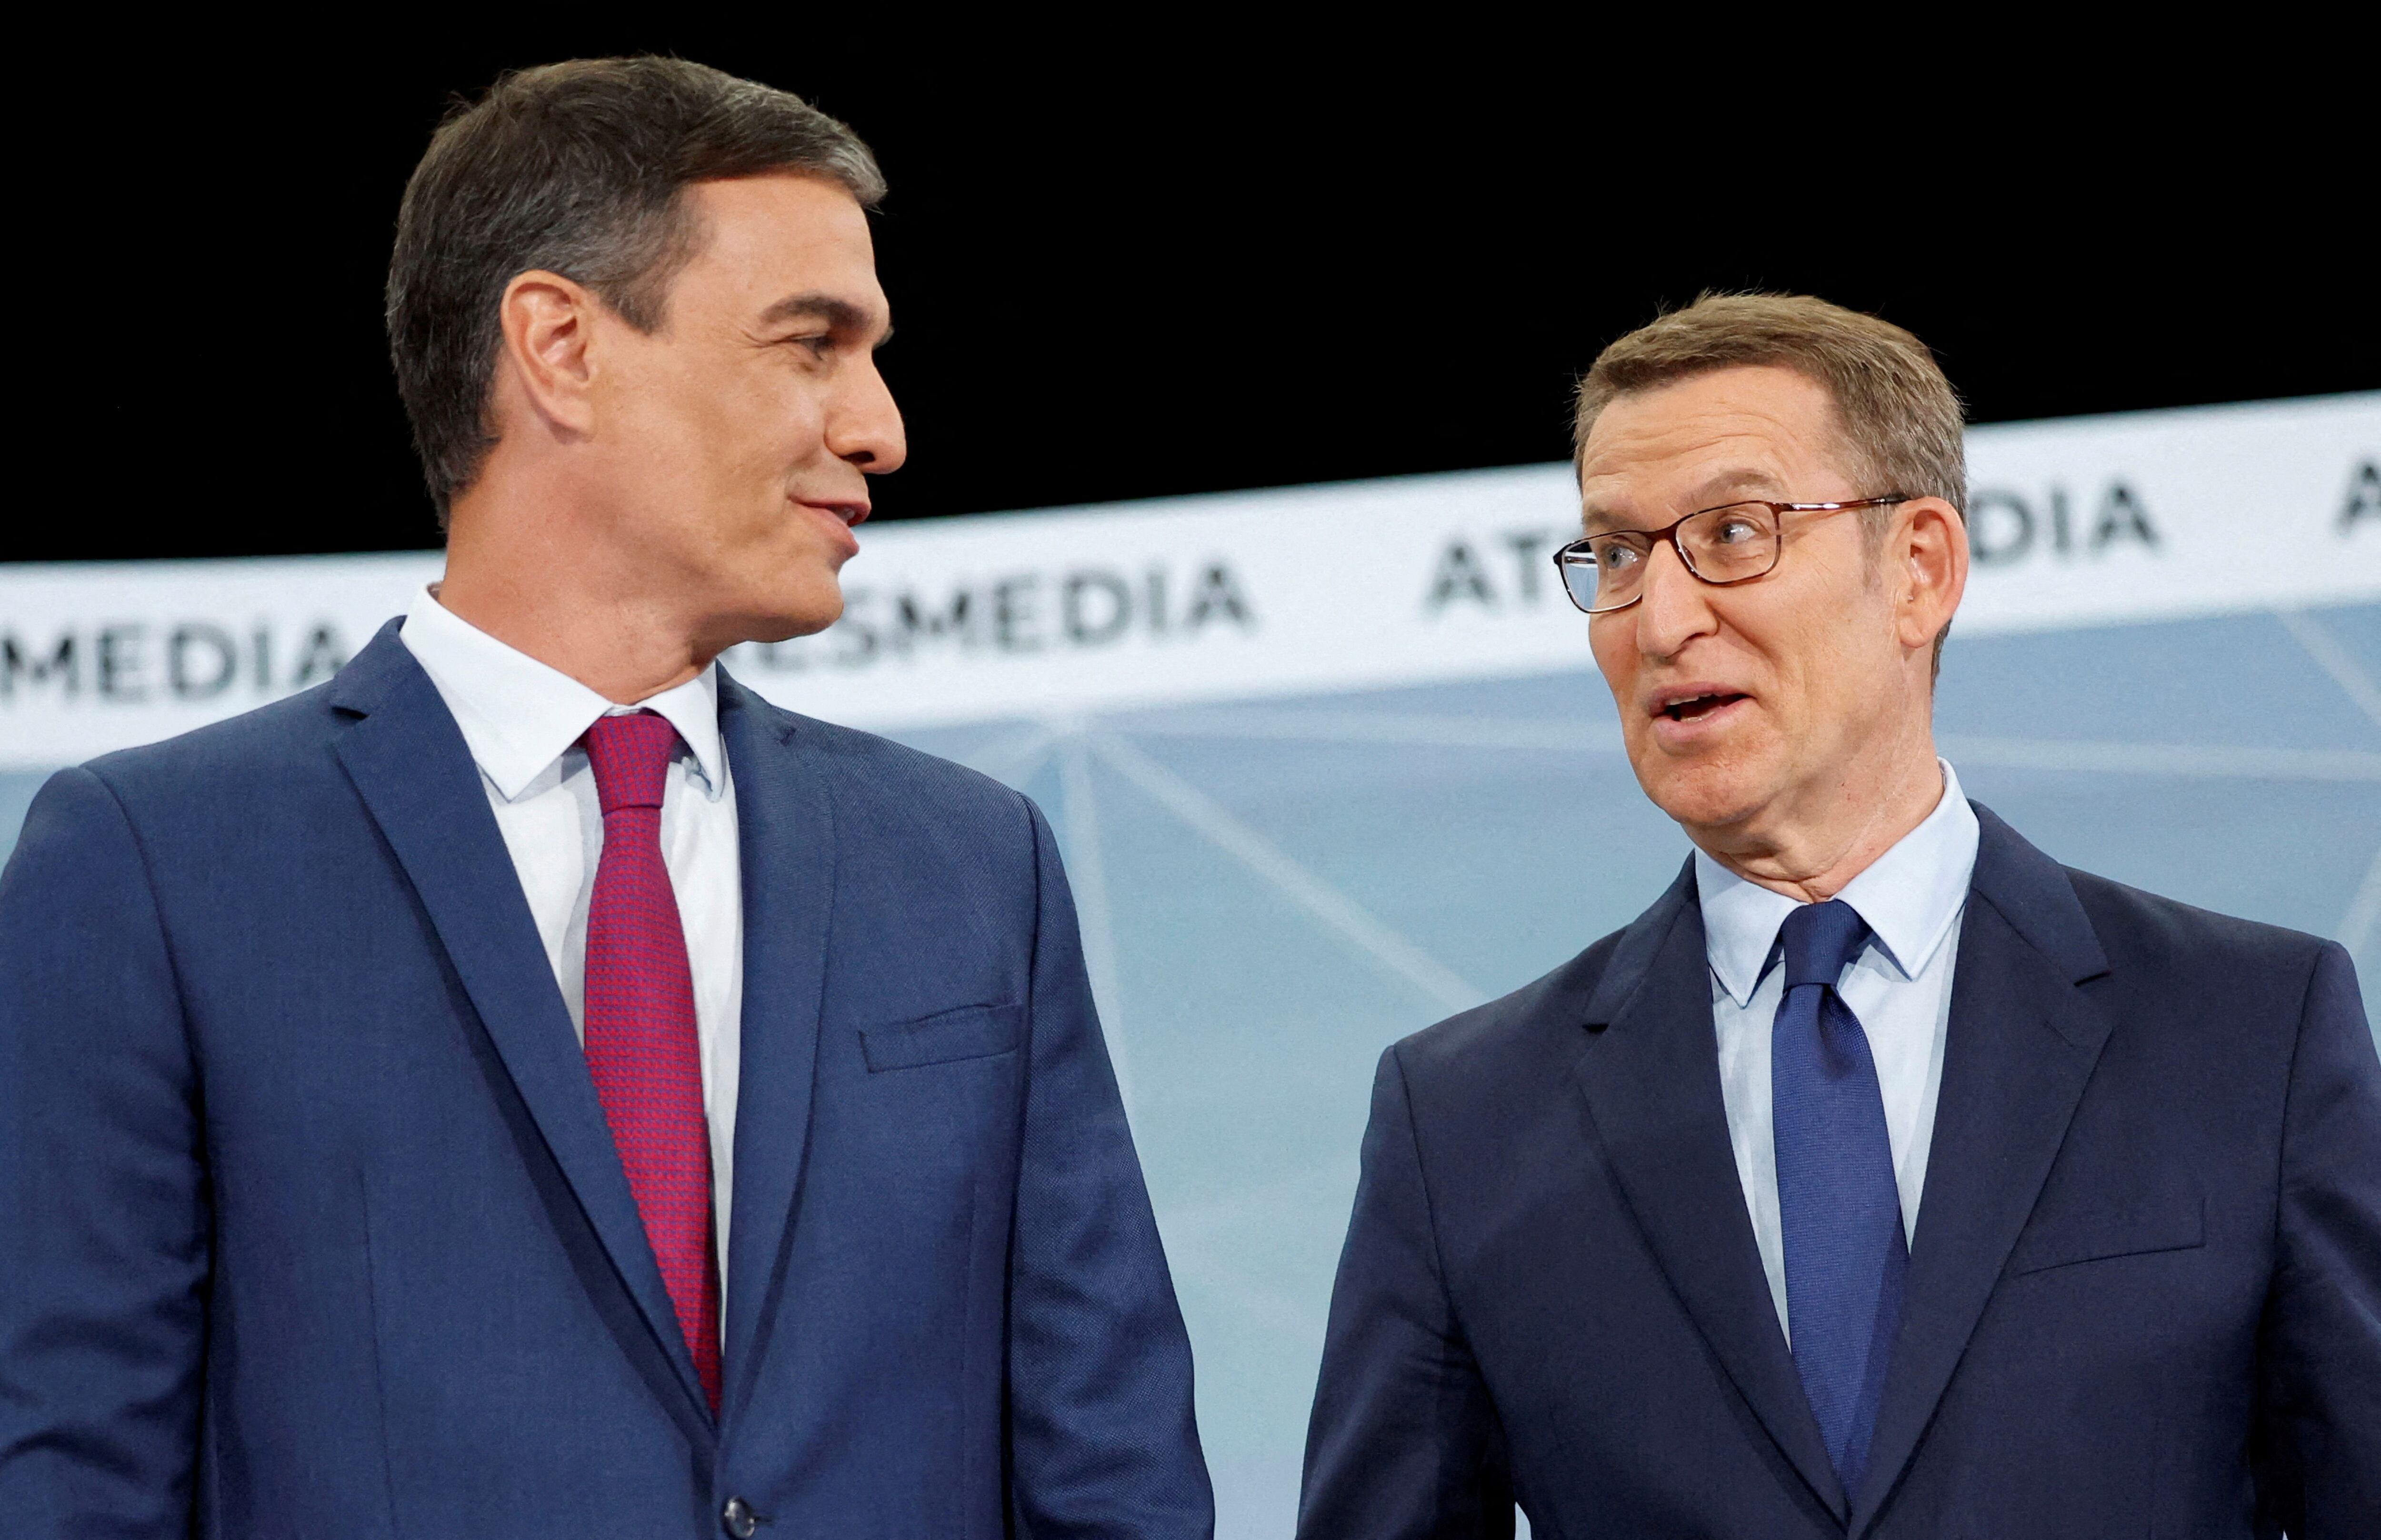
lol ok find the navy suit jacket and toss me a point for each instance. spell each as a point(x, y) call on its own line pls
point(311, 1223)
point(2144, 1293)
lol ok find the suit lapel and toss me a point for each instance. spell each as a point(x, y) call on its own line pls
point(2022, 1044)
point(785, 825)
point(1652, 1079)
point(410, 765)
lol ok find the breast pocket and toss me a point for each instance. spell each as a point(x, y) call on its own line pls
point(2173, 1221)
point(970, 1031)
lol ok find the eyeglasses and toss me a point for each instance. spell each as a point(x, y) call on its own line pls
point(1734, 543)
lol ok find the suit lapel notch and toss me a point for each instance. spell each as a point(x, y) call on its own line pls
point(1651, 1077)
point(415, 776)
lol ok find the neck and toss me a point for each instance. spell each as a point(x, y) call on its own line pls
point(1811, 855)
point(532, 575)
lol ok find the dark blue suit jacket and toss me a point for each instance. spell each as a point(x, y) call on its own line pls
point(2144, 1294)
point(311, 1223)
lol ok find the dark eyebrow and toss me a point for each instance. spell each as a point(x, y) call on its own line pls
point(840, 315)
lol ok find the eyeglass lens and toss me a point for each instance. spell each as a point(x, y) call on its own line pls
point(1721, 546)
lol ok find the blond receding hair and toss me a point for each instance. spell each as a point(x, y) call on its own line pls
point(1894, 408)
point(1899, 417)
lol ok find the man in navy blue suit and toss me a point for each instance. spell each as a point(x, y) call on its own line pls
point(531, 1085)
point(1884, 1178)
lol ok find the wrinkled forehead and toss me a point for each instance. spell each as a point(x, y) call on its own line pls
point(1656, 455)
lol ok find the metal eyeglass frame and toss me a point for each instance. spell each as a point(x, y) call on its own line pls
point(1670, 533)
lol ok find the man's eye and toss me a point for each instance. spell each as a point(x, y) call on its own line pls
point(1616, 555)
point(1736, 531)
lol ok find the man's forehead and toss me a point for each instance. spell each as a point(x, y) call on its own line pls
point(1625, 491)
point(1737, 433)
point(780, 232)
point(780, 251)
point(811, 198)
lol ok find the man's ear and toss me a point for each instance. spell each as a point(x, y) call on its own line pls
point(549, 336)
point(1930, 547)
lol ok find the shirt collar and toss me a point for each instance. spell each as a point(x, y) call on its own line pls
point(518, 715)
point(1908, 896)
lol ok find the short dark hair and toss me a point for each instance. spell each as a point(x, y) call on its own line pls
point(579, 169)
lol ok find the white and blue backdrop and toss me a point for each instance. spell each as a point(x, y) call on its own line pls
point(1329, 763)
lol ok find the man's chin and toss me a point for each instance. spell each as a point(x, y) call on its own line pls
point(1710, 794)
point(783, 617)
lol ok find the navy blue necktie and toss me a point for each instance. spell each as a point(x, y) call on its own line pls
point(1846, 1259)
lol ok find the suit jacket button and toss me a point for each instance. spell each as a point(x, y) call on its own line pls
point(739, 1519)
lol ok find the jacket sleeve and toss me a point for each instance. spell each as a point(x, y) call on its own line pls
point(1103, 1438)
point(2319, 1359)
point(1404, 1443)
point(103, 1216)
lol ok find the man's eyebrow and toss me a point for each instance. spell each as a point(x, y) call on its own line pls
point(1712, 491)
point(1717, 489)
point(841, 315)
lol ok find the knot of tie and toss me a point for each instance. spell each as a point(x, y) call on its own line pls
point(630, 757)
point(1821, 941)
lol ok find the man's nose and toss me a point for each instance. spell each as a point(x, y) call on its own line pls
point(1672, 609)
point(864, 425)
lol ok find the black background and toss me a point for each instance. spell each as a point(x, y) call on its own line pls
point(1126, 266)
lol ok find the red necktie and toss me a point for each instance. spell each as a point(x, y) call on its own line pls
point(639, 1026)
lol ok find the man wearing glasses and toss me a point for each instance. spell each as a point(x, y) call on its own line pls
point(1885, 1178)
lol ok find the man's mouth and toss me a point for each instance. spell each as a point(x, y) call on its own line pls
point(1687, 708)
point(852, 514)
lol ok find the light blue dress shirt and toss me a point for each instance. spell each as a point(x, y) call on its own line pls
point(1912, 898)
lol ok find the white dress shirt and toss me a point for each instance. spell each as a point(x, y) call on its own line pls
point(522, 722)
point(1912, 898)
